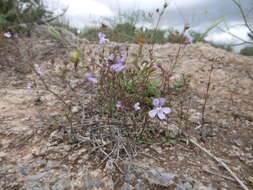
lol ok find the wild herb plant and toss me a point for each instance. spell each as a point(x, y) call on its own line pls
point(113, 95)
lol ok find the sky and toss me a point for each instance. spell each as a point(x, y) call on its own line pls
point(200, 14)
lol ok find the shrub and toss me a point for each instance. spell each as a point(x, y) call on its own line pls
point(197, 36)
point(15, 14)
point(225, 47)
point(247, 51)
point(176, 37)
point(114, 97)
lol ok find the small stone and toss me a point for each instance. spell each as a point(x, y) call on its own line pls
point(154, 176)
point(39, 163)
point(141, 186)
point(53, 164)
point(127, 186)
point(24, 170)
point(76, 109)
point(3, 154)
point(238, 142)
point(35, 186)
point(195, 117)
point(129, 177)
point(62, 185)
point(184, 186)
point(39, 176)
point(180, 158)
point(56, 137)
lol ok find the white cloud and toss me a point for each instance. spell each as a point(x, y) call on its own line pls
point(80, 12)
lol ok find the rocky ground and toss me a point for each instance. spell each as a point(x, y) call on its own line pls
point(35, 154)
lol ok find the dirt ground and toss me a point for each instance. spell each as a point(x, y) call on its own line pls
point(24, 116)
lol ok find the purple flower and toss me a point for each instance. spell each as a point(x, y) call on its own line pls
point(16, 36)
point(119, 104)
point(118, 67)
point(7, 35)
point(102, 38)
point(159, 110)
point(110, 58)
point(29, 85)
point(39, 70)
point(122, 59)
point(123, 53)
point(91, 78)
point(137, 106)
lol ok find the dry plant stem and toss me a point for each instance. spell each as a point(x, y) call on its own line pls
point(219, 175)
point(68, 115)
point(206, 96)
point(156, 28)
point(220, 162)
point(245, 19)
point(250, 76)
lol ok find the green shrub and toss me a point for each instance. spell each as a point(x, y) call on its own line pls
point(176, 37)
point(197, 36)
point(226, 47)
point(17, 13)
point(248, 51)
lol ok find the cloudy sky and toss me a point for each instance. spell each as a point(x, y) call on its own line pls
point(198, 13)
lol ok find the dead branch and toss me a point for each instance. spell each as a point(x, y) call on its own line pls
point(220, 162)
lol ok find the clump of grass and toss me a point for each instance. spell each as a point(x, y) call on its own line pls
point(22, 15)
point(176, 37)
point(200, 37)
point(115, 97)
point(247, 51)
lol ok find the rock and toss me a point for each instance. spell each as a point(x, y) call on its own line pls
point(56, 137)
point(35, 186)
point(200, 186)
point(75, 109)
point(42, 176)
point(129, 177)
point(62, 185)
point(53, 164)
point(24, 170)
point(141, 186)
point(39, 163)
point(127, 186)
point(195, 116)
point(155, 177)
point(185, 186)
point(3, 155)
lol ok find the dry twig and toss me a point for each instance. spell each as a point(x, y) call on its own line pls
point(220, 162)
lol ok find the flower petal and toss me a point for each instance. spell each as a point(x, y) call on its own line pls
point(161, 115)
point(156, 102)
point(137, 106)
point(93, 79)
point(162, 102)
point(166, 110)
point(152, 113)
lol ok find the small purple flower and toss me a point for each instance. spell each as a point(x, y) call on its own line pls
point(123, 53)
point(102, 38)
point(137, 106)
point(16, 36)
point(122, 59)
point(91, 78)
point(39, 70)
point(159, 110)
point(118, 67)
point(7, 35)
point(188, 40)
point(110, 58)
point(29, 85)
point(119, 104)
